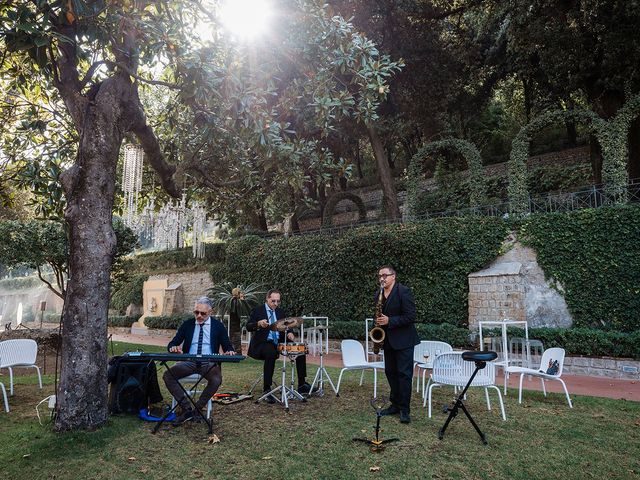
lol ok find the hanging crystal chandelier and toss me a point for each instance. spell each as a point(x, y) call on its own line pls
point(132, 183)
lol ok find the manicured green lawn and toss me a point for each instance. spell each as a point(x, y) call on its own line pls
point(542, 438)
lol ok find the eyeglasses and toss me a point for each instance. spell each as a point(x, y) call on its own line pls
point(385, 275)
point(275, 301)
point(198, 312)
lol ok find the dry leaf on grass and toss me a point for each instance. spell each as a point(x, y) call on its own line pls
point(638, 422)
point(144, 470)
point(374, 469)
point(267, 458)
point(214, 439)
point(132, 459)
point(26, 455)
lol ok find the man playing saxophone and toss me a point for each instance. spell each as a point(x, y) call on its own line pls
point(396, 318)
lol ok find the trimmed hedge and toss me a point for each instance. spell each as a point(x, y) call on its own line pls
point(444, 332)
point(337, 275)
point(121, 321)
point(595, 255)
point(582, 341)
point(171, 259)
point(169, 322)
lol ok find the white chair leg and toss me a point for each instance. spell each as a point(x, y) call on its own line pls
point(486, 395)
point(361, 377)
point(429, 393)
point(566, 392)
point(426, 389)
point(544, 388)
point(39, 376)
point(339, 380)
point(506, 378)
point(4, 397)
point(10, 380)
point(520, 388)
point(504, 415)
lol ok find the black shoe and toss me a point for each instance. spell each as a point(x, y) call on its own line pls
point(405, 417)
point(392, 410)
point(186, 416)
point(269, 399)
point(304, 389)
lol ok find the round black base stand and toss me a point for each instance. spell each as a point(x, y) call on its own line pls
point(480, 359)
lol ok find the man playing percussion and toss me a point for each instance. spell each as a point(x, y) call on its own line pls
point(397, 317)
point(264, 342)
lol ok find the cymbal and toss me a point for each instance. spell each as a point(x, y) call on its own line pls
point(286, 324)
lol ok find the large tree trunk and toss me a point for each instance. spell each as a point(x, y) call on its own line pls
point(89, 187)
point(389, 197)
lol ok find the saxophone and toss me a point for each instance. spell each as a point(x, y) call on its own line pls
point(377, 334)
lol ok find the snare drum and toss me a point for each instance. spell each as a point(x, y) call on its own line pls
point(293, 348)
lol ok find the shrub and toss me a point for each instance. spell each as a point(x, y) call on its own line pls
point(130, 291)
point(169, 322)
point(121, 321)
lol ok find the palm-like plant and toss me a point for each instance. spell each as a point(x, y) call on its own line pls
point(236, 301)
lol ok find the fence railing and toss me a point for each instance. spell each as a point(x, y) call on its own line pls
point(594, 197)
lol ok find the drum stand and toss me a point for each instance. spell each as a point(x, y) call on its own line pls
point(286, 392)
point(321, 374)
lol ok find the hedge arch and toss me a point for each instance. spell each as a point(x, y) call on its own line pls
point(612, 136)
point(468, 151)
point(615, 150)
point(330, 207)
point(517, 167)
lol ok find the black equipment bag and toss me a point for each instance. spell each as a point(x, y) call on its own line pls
point(134, 385)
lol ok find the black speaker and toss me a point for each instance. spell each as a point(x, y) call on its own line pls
point(134, 385)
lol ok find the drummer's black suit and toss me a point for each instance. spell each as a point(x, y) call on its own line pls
point(400, 339)
point(261, 348)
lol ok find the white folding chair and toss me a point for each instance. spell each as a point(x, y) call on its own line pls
point(552, 357)
point(353, 358)
point(193, 390)
point(20, 352)
point(429, 349)
point(450, 369)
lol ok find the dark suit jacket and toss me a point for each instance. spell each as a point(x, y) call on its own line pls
point(400, 307)
point(259, 335)
point(218, 335)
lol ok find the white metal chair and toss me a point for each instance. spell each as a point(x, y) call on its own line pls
point(552, 357)
point(450, 369)
point(193, 391)
point(4, 397)
point(19, 353)
point(427, 350)
point(353, 358)
point(518, 350)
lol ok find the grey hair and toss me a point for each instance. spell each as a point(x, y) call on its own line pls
point(204, 301)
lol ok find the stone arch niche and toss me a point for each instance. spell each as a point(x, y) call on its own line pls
point(334, 200)
point(514, 287)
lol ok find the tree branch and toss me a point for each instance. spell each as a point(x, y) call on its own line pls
point(129, 72)
point(48, 284)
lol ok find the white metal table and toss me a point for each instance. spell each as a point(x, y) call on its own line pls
point(504, 324)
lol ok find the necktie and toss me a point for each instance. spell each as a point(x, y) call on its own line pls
point(273, 335)
point(200, 338)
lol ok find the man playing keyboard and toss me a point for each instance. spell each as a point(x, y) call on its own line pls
point(202, 335)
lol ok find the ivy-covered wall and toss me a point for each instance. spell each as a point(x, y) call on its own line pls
point(595, 255)
point(336, 276)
